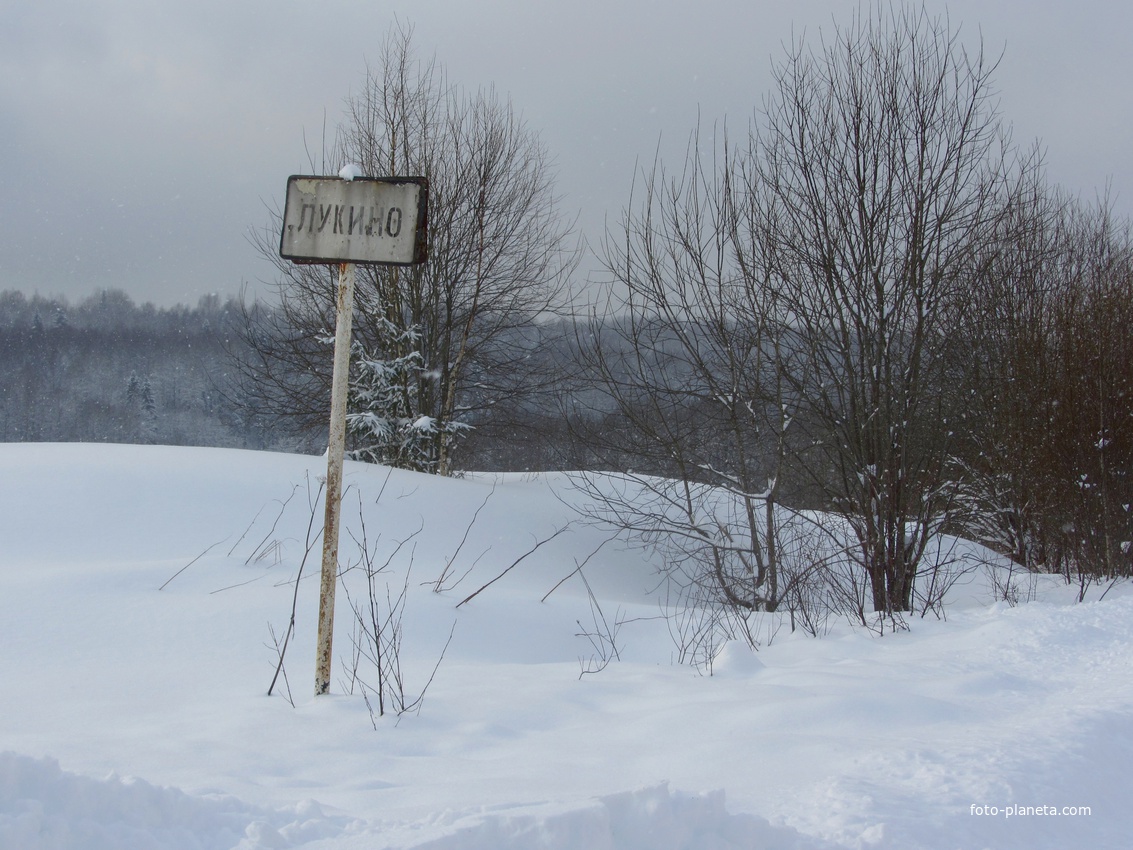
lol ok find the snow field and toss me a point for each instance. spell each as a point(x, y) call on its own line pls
point(846, 741)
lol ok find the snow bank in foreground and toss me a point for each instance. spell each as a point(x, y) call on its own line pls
point(43, 807)
point(649, 819)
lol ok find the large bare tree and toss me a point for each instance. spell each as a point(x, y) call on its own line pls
point(439, 347)
point(880, 166)
point(789, 306)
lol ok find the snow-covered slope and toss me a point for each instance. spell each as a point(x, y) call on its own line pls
point(140, 589)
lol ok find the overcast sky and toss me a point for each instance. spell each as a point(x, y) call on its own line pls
point(142, 140)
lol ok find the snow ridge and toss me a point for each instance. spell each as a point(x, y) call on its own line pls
point(43, 807)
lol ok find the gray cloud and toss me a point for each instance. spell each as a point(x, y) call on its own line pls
point(142, 140)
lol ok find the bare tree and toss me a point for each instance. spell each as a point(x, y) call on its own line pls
point(1005, 373)
point(879, 167)
point(687, 353)
point(1093, 391)
point(1049, 389)
point(499, 256)
point(786, 313)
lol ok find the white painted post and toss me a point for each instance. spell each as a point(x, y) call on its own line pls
point(340, 382)
point(352, 219)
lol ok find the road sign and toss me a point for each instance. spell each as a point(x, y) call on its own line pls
point(363, 220)
point(348, 220)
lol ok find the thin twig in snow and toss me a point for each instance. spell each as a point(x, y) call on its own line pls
point(514, 564)
point(209, 549)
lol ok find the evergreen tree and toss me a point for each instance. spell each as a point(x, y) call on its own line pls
point(386, 423)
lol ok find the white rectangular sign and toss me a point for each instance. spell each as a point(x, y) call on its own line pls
point(364, 220)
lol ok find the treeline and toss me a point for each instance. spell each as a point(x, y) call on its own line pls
point(108, 370)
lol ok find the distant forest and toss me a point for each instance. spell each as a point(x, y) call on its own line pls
point(106, 369)
point(109, 370)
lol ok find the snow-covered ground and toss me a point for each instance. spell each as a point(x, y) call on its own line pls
point(140, 588)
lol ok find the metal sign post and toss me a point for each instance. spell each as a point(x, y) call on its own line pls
point(347, 221)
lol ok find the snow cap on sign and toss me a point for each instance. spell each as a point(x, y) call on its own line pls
point(350, 171)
